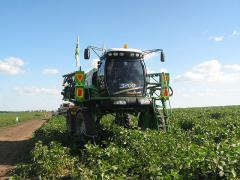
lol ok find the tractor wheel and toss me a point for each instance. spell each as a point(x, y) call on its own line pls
point(70, 122)
point(147, 120)
point(127, 121)
point(162, 121)
point(85, 124)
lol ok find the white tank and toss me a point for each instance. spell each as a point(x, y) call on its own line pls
point(89, 74)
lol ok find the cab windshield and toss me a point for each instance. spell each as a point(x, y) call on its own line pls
point(125, 77)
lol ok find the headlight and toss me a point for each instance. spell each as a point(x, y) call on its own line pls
point(120, 102)
point(144, 101)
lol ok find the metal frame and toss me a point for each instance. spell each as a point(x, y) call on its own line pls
point(145, 52)
point(95, 49)
point(154, 88)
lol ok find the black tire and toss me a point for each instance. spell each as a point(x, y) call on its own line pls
point(146, 119)
point(70, 122)
point(85, 124)
point(127, 121)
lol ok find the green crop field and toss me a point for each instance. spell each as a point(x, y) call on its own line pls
point(9, 118)
point(203, 143)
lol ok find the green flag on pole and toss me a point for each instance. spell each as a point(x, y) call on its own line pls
point(77, 53)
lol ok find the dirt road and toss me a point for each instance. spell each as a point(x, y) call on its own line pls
point(13, 141)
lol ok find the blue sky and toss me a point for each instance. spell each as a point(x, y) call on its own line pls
point(200, 38)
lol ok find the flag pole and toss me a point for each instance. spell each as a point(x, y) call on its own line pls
point(77, 54)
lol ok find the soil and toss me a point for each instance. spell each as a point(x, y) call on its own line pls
point(13, 143)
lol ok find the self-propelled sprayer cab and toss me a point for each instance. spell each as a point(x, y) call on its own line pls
point(122, 72)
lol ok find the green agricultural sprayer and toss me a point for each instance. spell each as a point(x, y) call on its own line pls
point(120, 85)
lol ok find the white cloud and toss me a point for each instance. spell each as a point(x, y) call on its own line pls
point(234, 67)
point(211, 72)
point(236, 33)
point(217, 38)
point(189, 76)
point(50, 71)
point(36, 91)
point(12, 66)
point(203, 95)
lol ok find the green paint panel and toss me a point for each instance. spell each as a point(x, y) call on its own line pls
point(79, 78)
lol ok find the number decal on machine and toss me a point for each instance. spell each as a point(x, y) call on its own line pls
point(126, 85)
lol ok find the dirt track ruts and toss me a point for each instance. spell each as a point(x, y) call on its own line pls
point(13, 141)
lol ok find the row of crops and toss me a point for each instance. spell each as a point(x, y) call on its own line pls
point(204, 143)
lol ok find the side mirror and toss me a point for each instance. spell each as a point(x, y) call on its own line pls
point(162, 56)
point(87, 53)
